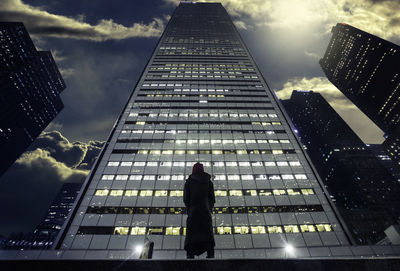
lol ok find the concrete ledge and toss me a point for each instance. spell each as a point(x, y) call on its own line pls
point(372, 264)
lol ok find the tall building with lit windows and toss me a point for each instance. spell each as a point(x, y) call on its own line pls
point(364, 191)
point(366, 69)
point(202, 98)
point(30, 88)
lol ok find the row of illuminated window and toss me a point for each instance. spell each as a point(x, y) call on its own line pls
point(196, 90)
point(196, 106)
point(213, 152)
point(204, 115)
point(216, 210)
point(217, 230)
point(247, 95)
point(192, 101)
point(217, 177)
point(206, 141)
point(236, 66)
point(180, 85)
point(207, 164)
point(267, 123)
point(201, 76)
point(218, 193)
point(196, 131)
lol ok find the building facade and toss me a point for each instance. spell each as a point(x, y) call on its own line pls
point(364, 191)
point(30, 87)
point(201, 98)
point(366, 69)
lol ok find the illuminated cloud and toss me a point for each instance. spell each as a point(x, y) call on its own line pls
point(380, 18)
point(31, 184)
point(42, 23)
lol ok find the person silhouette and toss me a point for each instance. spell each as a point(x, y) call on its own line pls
point(199, 199)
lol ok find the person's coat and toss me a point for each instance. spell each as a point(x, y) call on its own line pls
point(199, 198)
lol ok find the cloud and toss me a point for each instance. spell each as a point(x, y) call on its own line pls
point(42, 23)
point(30, 185)
point(66, 73)
point(357, 120)
point(380, 18)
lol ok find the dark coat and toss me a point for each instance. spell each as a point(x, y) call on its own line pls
point(199, 199)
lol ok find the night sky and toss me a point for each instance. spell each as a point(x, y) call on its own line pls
point(102, 46)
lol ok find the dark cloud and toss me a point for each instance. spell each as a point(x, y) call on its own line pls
point(42, 23)
point(30, 185)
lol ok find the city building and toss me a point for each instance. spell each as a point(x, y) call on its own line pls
point(202, 98)
point(30, 87)
point(366, 69)
point(364, 191)
point(379, 151)
point(46, 232)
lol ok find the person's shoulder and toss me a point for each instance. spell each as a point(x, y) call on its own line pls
point(208, 176)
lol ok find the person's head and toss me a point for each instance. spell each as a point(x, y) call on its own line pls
point(197, 168)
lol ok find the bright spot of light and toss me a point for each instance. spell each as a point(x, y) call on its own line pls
point(289, 249)
point(139, 249)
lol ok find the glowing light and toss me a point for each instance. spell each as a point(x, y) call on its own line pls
point(139, 249)
point(289, 249)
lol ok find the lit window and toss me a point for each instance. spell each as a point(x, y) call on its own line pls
point(239, 141)
point(216, 152)
point(241, 152)
point(178, 177)
point(126, 164)
point(307, 191)
point(220, 177)
point(146, 193)
point(220, 193)
point(307, 228)
point(163, 177)
point(294, 163)
point(277, 152)
point(257, 164)
point(142, 151)
point(235, 193)
point(291, 228)
point(140, 123)
point(179, 164)
point(103, 192)
point(282, 164)
point(121, 177)
point(241, 229)
point(300, 176)
point(155, 231)
point(135, 177)
point(131, 193)
point(139, 164)
point(247, 177)
point(261, 177)
point(176, 193)
point(138, 231)
point(244, 164)
point(152, 164)
point(155, 152)
point(161, 193)
point(258, 230)
point(251, 192)
point(215, 141)
point(323, 227)
point(274, 177)
point(191, 152)
point(149, 177)
point(172, 230)
point(231, 164)
point(278, 192)
point(269, 164)
point(113, 164)
point(121, 230)
point(265, 193)
point(166, 164)
point(233, 177)
point(107, 177)
point(179, 152)
point(274, 229)
point(224, 230)
point(292, 192)
point(116, 193)
point(287, 176)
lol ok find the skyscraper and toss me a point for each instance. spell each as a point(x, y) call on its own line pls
point(30, 87)
point(363, 189)
point(366, 69)
point(202, 98)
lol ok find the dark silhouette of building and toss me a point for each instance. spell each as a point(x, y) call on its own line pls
point(30, 87)
point(366, 69)
point(202, 98)
point(363, 190)
point(46, 232)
